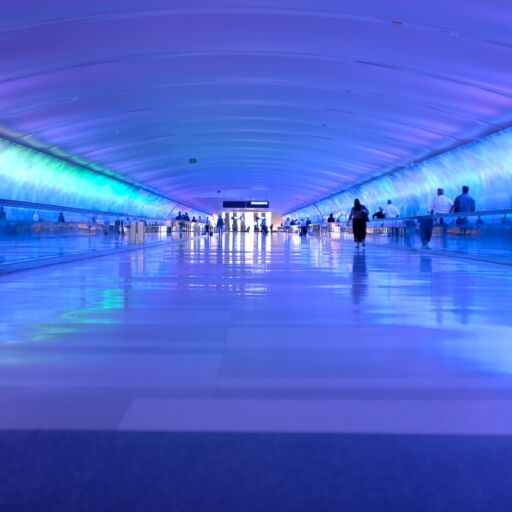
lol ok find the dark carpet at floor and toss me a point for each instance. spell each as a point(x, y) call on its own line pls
point(111, 471)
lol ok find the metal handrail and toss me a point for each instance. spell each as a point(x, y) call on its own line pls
point(480, 213)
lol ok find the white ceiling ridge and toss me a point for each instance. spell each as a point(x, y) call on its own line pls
point(398, 22)
point(248, 53)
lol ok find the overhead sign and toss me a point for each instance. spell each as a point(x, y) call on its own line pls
point(245, 204)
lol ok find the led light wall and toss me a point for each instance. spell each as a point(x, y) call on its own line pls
point(30, 176)
point(485, 166)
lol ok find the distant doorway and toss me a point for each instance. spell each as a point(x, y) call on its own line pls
point(244, 221)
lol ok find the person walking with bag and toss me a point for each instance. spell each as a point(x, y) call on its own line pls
point(359, 218)
point(220, 225)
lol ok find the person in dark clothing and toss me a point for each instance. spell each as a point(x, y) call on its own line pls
point(426, 229)
point(303, 227)
point(181, 223)
point(359, 218)
point(379, 214)
point(220, 225)
point(61, 220)
point(331, 218)
point(264, 228)
point(464, 203)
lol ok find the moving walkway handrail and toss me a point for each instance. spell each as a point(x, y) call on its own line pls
point(480, 213)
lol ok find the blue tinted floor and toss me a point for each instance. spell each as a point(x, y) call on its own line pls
point(24, 247)
point(495, 247)
point(298, 374)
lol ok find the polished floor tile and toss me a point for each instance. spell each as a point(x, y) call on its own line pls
point(250, 333)
point(490, 244)
point(22, 247)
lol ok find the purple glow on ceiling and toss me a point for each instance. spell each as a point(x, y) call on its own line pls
point(294, 101)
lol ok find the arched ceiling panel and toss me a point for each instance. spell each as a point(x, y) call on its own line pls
point(293, 101)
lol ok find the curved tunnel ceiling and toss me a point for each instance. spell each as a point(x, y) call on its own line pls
point(288, 103)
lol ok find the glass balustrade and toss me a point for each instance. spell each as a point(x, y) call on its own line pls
point(483, 234)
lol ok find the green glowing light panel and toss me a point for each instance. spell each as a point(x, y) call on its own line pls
point(30, 176)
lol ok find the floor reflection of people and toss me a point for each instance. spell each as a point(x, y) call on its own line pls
point(410, 231)
point(359, 276)
point(426, 264)
point(465, 297)
point(444, 235)
point(182, 253)
point(220, 248)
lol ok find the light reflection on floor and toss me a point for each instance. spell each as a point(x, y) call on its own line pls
point(25, 247)
point(255, 333)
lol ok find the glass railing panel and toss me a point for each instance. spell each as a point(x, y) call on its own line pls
point(486, 234)
point(26, 236)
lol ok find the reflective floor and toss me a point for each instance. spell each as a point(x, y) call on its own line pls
point(22, 247)
point(496, 248)
point(259, 334)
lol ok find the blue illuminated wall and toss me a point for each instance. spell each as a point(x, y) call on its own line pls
point(485, 166)
point(30, 176)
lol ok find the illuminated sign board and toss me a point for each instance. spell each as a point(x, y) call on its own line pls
point(245, 204)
